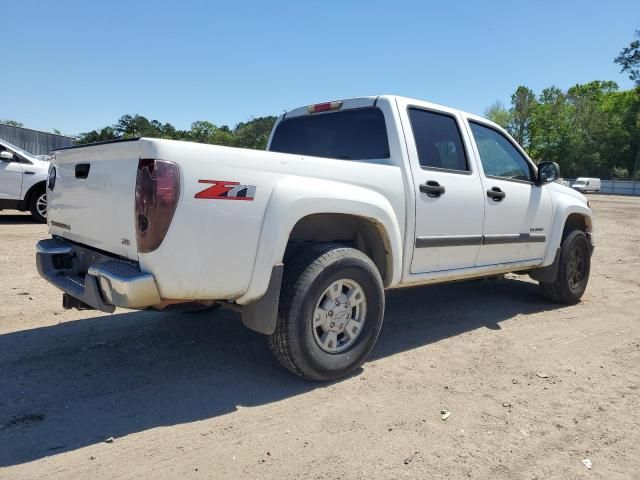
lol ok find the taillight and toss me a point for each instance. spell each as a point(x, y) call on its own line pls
point(157, 193)
point(324, 107)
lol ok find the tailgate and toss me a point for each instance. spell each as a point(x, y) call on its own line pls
point(92, 200)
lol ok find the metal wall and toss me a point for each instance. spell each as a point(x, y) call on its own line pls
point(621, 187)
point(617, 187)
point(33, 141)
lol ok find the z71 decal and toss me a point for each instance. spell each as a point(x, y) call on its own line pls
point(222, 190)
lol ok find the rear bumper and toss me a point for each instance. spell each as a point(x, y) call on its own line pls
point(97, 279)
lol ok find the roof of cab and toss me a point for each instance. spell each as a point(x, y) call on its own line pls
point(370, 101)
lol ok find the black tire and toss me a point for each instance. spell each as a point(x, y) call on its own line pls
point(573, 270)
point(306, 277)
point(33, 205)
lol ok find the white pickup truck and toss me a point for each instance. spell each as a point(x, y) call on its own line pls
point(351, 198)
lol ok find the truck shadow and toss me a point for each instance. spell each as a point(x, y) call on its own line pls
point(77, 383)
point(17, 220)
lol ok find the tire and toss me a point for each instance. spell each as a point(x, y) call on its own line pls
point(313, 280)
point(573, 270)
point(38, 205)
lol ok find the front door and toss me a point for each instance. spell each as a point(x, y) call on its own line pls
point(517, 212)
point(10, 179)
point(449, 200)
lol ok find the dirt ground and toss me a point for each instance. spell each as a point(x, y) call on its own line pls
point(533, 388)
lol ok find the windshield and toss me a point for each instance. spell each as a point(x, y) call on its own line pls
point(359, 134)
point(18, 150)
point(581, 182)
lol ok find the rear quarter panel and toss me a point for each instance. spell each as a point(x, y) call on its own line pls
point(211, 247)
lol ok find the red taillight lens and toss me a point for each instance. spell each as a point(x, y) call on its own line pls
point(157, 193)
point(324, 107)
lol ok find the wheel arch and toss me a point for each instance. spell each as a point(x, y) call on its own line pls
point(362, 233)
point(576, 221)
point(302, 210)
point(24, 204)
point(567, 218)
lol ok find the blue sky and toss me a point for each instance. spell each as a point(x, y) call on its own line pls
point(80, 65)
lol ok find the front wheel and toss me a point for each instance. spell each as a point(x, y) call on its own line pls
point(573, 271)
point(38, 206)
point(330, 313)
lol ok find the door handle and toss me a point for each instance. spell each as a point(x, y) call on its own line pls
point(432, 188)
point(29, 172)
point(496, 194)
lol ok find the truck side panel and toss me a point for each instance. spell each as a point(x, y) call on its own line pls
point(210, 248)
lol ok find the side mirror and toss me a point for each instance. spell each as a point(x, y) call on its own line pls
point(6, 156)
point(548, 172)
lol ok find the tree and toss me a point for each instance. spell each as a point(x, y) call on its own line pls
point(620, 173)
point(105, 134)
point(202, 131)
point(592, 129)
point(252, 134)
point(499, 114)
point(523, 104)
point(13, 123)
point(550, 127)
point(629, 60)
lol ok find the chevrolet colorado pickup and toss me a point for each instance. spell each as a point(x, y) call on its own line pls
point(351, 198)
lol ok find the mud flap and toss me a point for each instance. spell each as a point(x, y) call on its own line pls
point(262, 315)
point(547, 274)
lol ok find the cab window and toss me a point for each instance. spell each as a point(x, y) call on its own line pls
point(498, 155)
point(438, 140)
point(358, 134)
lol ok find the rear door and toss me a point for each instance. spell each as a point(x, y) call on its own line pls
point(517, 212)
point(449, 201)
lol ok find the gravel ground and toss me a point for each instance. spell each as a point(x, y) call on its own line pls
point(533, 388)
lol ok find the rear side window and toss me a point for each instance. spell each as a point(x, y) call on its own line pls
point(349, 135)
point(438, 140)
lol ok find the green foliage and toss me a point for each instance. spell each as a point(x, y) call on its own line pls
point(13, 123)
point(523, 106)
point(629, 60)
point(498, 113)
point(589, 130)
point(620, 173)
point(252, 134)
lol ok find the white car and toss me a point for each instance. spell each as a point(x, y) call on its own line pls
point(23, 181)
point(586, 185)
point(352, 197)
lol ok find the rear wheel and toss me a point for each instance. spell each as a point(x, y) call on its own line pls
point(573, 270)
point(330, 312)
point(38, 205)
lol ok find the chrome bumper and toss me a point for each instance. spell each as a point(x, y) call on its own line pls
point(96, 279)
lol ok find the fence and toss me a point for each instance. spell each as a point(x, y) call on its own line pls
point(620, 187)
point(616, 187)
point(33, 141)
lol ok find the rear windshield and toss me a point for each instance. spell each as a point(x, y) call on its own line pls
point(349, 135)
